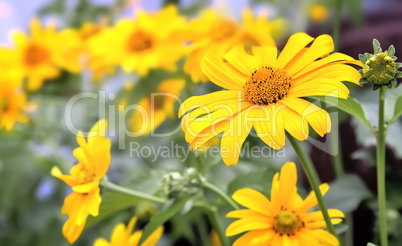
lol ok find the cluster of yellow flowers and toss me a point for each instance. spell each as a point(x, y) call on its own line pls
point(139, 44)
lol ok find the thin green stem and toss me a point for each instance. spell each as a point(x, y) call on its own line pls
point(336, 150)
point(123, 190)
point(381, 170)
point(216, 224)
point(337, 24)
point(220, 193)
point(313, 179)
point(213, 216)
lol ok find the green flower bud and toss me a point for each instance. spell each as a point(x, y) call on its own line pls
point(380, 69)
point(172, 184)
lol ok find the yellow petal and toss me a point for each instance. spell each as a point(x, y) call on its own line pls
point(335, 58)
point(244, 213)
point(321, 46)
point(317, 215)
point(315, 116)
point(86, 187)
point(221, 74)
point(295, 125)
point(287, 182)
point(245, 63)
point(311, 199)
point(55, 172)
point(253, 200)
point(266, 54)
point(255, 238)
point(322, 224)
point(246, 224)
point(320, 87)
point(101, 242)
point(234, 137)
point(72, 231)
point(198, 101)
point(154, 238)
point(294, 45)
point(324, 237)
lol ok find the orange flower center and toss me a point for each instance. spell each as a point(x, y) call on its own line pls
point(36, 54)
point(287, 223)
point(140, 41)
point(223, 29)
point(267, 85)
point(85, 176)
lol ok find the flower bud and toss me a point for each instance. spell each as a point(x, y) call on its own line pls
point(380, 68)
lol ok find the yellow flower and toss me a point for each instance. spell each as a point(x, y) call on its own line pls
point(217, 34)
point(93, 162)
point(122, 236)
point(319, 13)
point(146, 42)
point(12, 98)
point(285, 219)
point(43, 53)
point(153, 111)
point(266, 92)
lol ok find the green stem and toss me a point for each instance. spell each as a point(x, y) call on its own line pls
point(380, 136)
point(337, 24)
point(213, 216)
point(123, 190)
point(336, 150)
point(313, 179)
point(221, 194)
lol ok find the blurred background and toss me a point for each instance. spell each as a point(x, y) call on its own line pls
point(30, 199)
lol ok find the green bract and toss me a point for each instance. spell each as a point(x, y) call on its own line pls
point(380, 68)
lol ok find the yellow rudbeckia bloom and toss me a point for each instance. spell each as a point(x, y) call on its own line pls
point(12, 99)
point(42, 54)
point(124, 236)
point(217, 34)
point(153, 111)
point(146, 42)
point(93, 162)
point(266, 92)
point(285, 219)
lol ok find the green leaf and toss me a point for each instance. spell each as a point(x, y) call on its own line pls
point(350, 106)
point(362, 58)
point(111, 203)
point(398, 75)
point(398, 65)
point(391, 51)
point(376, 46)
point(393, 105)
point(371, 244)
point(162, 217)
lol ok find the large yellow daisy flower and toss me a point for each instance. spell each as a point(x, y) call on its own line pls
point(93, 162)
point(146, 42)
point(124, 236)
point(266, 92)
point(217, 34)
point(42, 54)
point(285, 220)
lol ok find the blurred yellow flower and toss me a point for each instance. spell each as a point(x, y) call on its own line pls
point(285, 220)
point(45, 52)
point(319, 13)
point(214, 33)
point(215, 239)
point(146, 42)
point(124, 236)
point(12, 97)
point(93, 162)
point(154, 110)
point(266, 92)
